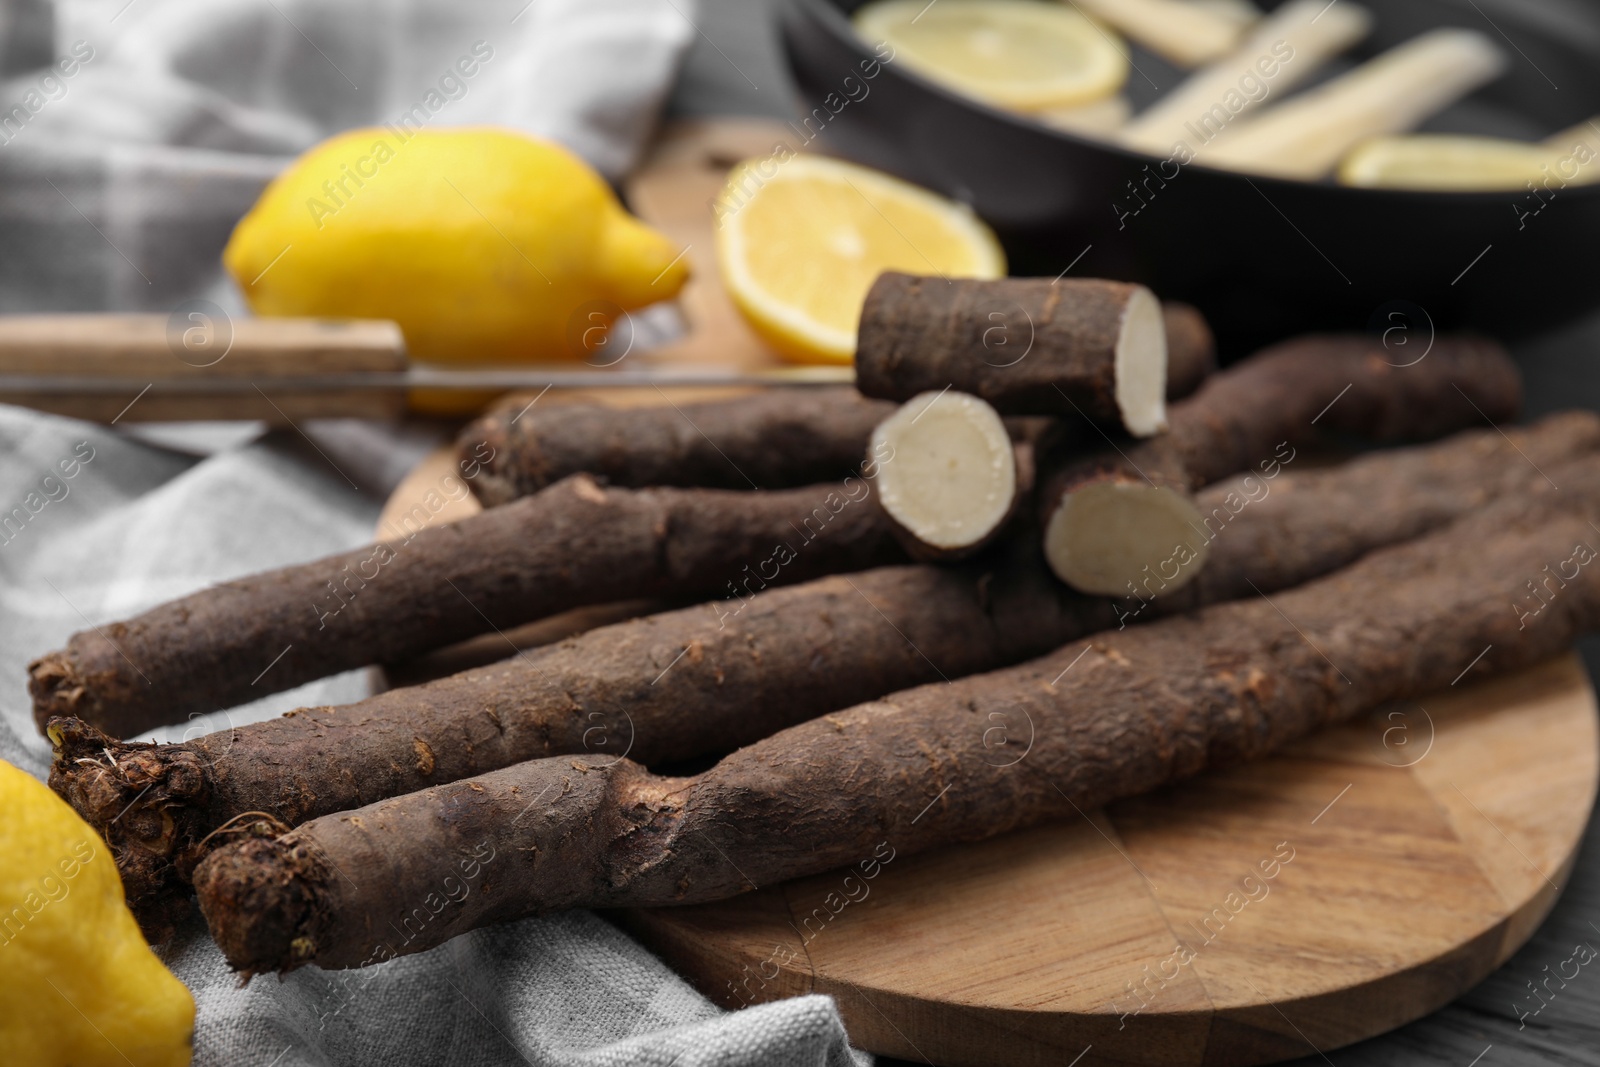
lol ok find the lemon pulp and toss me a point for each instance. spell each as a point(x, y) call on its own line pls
point(1015, 53)
point(800, 241)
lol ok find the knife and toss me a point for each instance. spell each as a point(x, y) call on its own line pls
point(138, 367)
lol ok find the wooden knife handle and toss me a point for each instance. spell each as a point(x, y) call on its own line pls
point(199, 343)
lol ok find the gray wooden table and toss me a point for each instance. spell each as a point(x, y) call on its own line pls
point(735, 67)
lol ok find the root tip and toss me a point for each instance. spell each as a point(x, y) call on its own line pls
point(260, 899)
point(56, 689)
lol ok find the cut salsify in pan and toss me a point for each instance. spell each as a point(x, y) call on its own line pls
point(1239, 109)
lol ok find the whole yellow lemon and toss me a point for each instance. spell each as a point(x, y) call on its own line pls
point(485, 245)
point(79, 985)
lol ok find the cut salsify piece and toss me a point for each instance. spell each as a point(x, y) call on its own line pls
point(1577, 140)
point(1184, 31)
point(1078, 346)
point(1102, 536)
point(1450, 161)
point(1012, 53)
point(1280, 51)
point(800, 240)
point(947, 473)
point(1307, 136)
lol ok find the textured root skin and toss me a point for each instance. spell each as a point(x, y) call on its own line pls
point(777, 439)
point(102, 778)
point(590, 827)
point(492, 647)
point(265, 877)
point(660, 689)
point(1284, 395)
point(1238, 416)
point(1137, 709)
point(926, 334)
point(1311, 522)
point(1191, 349)
point(787, 656)
point(574, 543)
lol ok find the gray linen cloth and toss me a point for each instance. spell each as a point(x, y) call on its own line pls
point(146, 128)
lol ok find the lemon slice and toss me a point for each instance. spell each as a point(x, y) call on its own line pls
point(1014, 53)
point(1446, 162)
point(802, 240)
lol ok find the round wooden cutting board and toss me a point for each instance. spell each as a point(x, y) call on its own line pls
point(1396, 888)
point(1410, 853)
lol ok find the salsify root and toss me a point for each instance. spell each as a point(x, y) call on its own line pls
point(572, 544)
point(1111, 716)
point(1108, 517)
point(711, 678)
point(1191, 349)
point(1025, 345)
point(777, 439)
point(772, 440)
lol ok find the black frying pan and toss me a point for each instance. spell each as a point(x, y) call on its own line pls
point(1262, 257)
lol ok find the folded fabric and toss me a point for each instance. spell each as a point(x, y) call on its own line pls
point(491, 998)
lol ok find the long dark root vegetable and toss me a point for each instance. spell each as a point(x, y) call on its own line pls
point(769, 440)
point(572, 544)
point(1115, 715)
point(1191, 349)
point(709, 679)
point(1025, 345)
point(773, 440)
point(1108, 517)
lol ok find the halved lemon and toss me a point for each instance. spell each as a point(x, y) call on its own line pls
point(1449, 162)
point(801, 239)
point(1015, 53)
